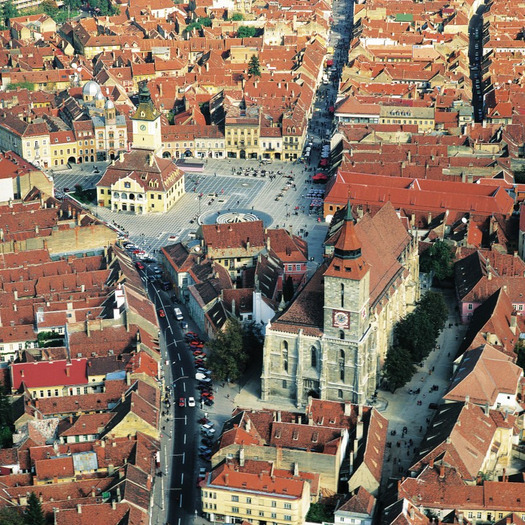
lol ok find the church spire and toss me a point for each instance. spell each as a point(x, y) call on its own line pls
point(348, 260)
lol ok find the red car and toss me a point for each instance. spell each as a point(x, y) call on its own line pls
point(207, 394)
point(198, 353)
point(182, 401)
point(162, 313)
point(139, 265)
point(197, 344)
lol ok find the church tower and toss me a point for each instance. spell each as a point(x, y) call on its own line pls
point(147, 132)
point(347, 342)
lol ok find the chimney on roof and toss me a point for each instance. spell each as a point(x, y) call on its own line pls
point(441, 471)
point(121, 475)
point(504, 476)
point(489, 274)
point(113, 504)
point(278, 416)
point(487, 409)
point(160, 89)
point(296, 469)
point(431, 463)
point(68, 373)
point(412, 513)
point(429, 217)
point(79, 508)
point(148, 482)
point(226, 477)
point(88, 333)
point(348, 409)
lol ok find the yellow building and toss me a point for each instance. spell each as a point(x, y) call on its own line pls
point(242, 128)
point(256, 492)
point(403, 115)
point(63, 148)
point(140, 182)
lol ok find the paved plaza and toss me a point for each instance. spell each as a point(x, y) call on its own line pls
point(217, 191)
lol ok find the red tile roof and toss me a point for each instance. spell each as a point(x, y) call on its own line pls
point(49, 373)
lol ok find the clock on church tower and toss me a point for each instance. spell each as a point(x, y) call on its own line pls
point(340, 319)
point(147, 132)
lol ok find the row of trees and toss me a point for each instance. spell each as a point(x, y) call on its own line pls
point(415, 337)
point(233, 349)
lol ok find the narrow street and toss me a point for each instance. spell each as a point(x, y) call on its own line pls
point(401, 408)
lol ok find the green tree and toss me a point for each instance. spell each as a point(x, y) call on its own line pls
point(204, 21)
point(190, 27)
point(227, 359)
point(398, 368)
point(11, 516)
point(434, 306)
point(437, 259)
point(6, 420)
point(34, 514)
point(9, 10)
point(237, 17)
point(246, 32)
point(254, 67)
point(319, 513)
point(417, 334)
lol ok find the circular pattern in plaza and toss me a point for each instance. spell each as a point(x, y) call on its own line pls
point(236, 216)
point(231, 216)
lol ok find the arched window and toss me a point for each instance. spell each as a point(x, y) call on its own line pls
point(342, 371)
point(285, 355)
point(342, 295)
point(313, 357)
point(341, 334)
point(342, 355)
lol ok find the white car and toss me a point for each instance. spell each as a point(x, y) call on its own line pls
point(191, 401)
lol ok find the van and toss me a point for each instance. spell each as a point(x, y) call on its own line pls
point(178, 314)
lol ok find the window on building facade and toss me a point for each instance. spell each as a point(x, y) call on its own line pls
point(313, 357)
point(342, 295)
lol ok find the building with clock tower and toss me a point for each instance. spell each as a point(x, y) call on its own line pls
point(147, 132)
point(331, 341)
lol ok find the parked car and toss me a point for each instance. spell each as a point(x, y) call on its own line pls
point(191, 401)
point(162, 313)
point(182, 401)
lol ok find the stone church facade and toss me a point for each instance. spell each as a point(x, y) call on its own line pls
point(332, 340)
